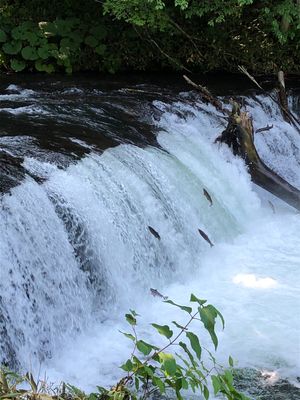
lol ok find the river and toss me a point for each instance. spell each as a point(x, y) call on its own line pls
point(86, 165)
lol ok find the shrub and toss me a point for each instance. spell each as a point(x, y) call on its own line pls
point(50, 46)
point(151, 369)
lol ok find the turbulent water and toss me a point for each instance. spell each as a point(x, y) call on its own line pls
point(85, 172)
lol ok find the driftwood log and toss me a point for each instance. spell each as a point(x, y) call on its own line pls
point(238, 135)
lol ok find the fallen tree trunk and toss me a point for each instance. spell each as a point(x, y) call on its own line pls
point(238, 135)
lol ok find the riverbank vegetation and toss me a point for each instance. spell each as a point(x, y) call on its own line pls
point(175, 364)
point(111, 36)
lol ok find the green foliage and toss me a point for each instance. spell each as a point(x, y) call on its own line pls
point(163, 330)
point(51, 46)
point(3, 36)
point(113, 35)
point(16, 386)
point(162, 369)
point(159, 14)
point(212, 34)
point(174, 367)
point(17, 65)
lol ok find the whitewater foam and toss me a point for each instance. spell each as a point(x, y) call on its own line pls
point(83, 235)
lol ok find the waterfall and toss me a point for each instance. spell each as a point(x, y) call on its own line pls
point(76, 251)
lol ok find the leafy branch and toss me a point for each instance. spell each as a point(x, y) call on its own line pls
point(150, 369)
point(162, 371)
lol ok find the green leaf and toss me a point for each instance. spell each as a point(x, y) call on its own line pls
point(128, 335)
point(195, 299)
point(29, 53)
point(230, 361)
point(91, 41)
point(76, 391)
point(168, 363)
point(229, 377)
point(49, 68)
point(217, 313)
point(100, 49)
point(92, 396)
point(130, 319)
point(201, 374)
point(32, 38)
point(221, 317)
point(213, 359)
point(144, 347)
point(159, 383)
point(186, 363)
point(206, 392)
point(179, 326)
point(3, 36)
point(137, 361)
point(178, 386)
point(184, 308)
point(13, 47)
point(163, 330)
point(208, 315)
point(128, 366)
point(185, 384)
point(194, 343)
point(101, 389)
point(22, 31)
point(11, 395)
point(17, 65)
point(44, 52)
point(216, 384)
point(18, 32)
point(149, 370)
point(187, 351)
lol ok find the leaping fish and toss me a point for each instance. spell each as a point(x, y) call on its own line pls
point(154, 233)
point(208, 196)
point(272, 206)
point(156, 293)
point(205, 237)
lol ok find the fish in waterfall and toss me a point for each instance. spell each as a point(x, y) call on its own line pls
point(154, 232)
point(208, 197)
point(205, 237)
point(272, 206)
point(155, 293)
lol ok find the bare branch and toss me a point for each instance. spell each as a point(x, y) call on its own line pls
point(207, 96)
point(244, 71)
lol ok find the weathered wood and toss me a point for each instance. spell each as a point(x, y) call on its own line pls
point(207, 96)
point(282, 98)
point(239, 136)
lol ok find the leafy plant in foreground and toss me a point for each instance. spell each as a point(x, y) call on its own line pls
point(176, 366)
point(152, 369)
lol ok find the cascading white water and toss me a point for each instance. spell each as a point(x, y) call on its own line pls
point(76, 251)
